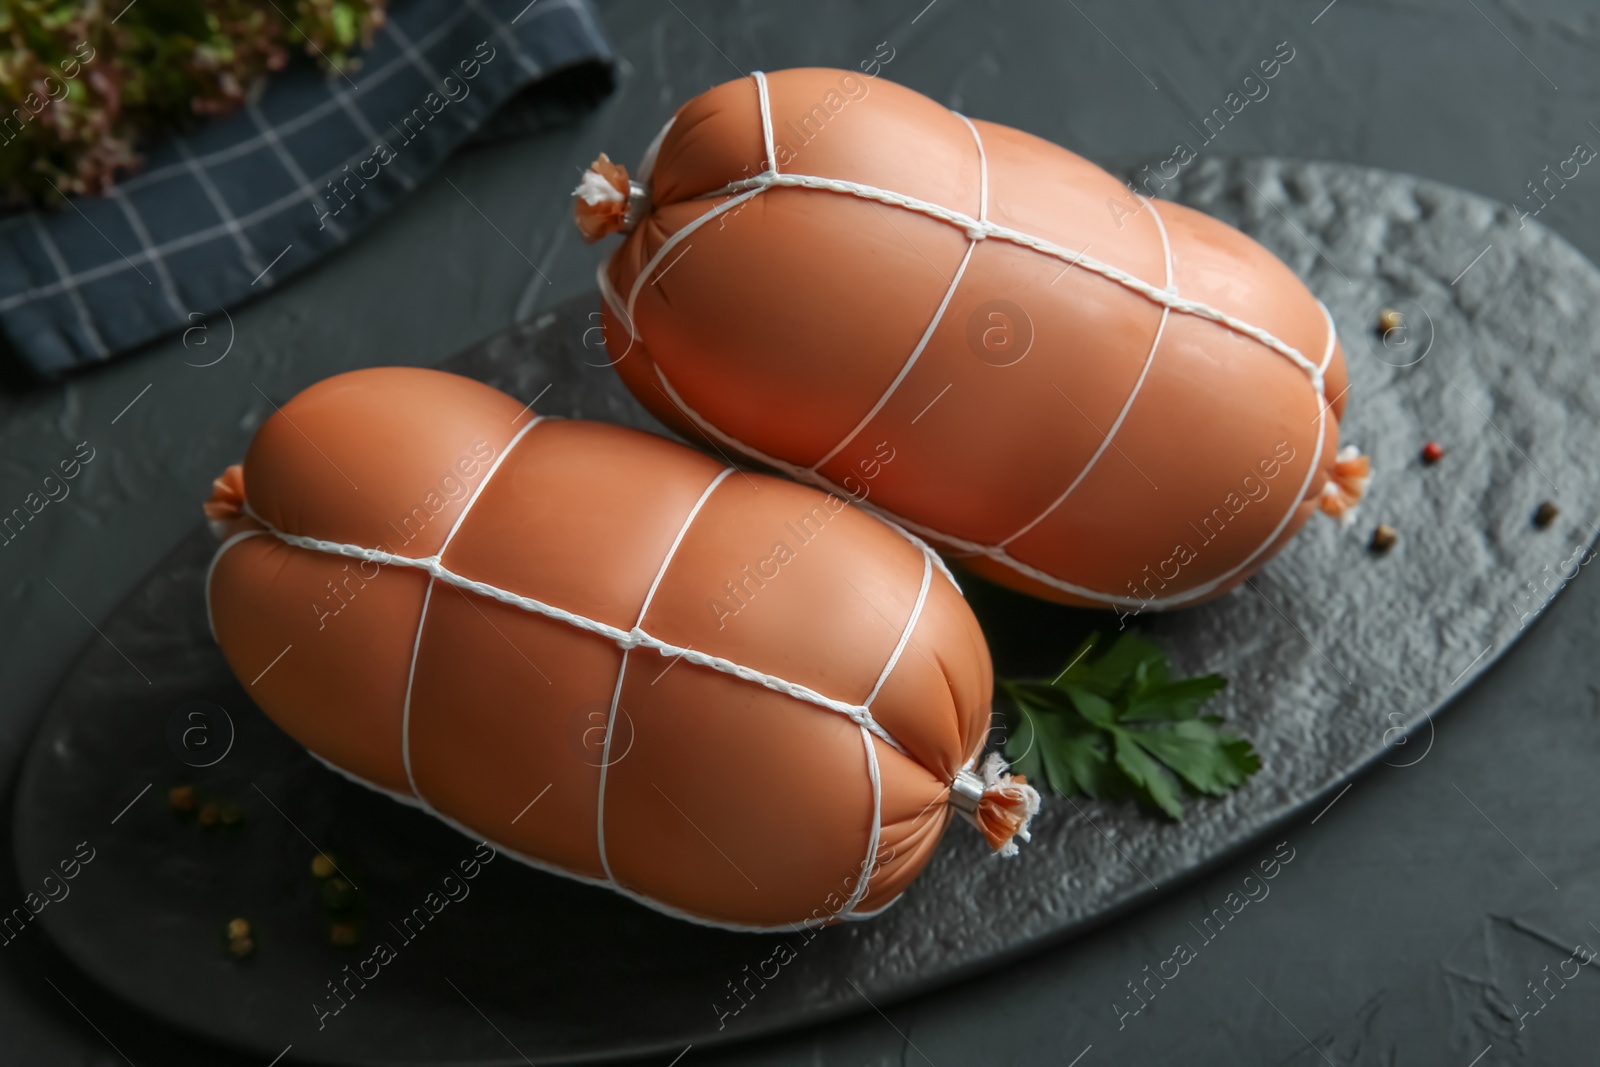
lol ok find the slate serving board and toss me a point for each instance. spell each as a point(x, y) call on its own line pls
point(1336, 659)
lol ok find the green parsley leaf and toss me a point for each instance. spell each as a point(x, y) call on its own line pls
point(1116, 724)
point(1061, 748)
point(1174, 700)
point(1096, 709)
point(1209, 760)
point(1022, 748)
point(1153, 783)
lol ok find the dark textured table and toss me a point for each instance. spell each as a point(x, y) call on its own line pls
point(1411, 924)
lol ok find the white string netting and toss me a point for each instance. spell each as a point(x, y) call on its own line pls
point(627, 640)
point(977, 229)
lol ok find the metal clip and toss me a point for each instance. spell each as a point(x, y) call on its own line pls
point(966, 791)
point(638, 206)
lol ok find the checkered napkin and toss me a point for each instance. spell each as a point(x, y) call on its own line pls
point(244, 203)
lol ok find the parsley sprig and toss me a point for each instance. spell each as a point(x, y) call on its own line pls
point(1115, 724)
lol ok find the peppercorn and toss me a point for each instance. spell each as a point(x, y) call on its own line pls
point(230, 813)
point(322, 866)
point(1383, 538)
point(181, 798)
point(210, 812)
point(343, 934)
point(1390, 319)
point(240, 941)
point(1432, 453)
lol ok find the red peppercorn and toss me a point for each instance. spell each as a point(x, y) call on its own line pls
point(1432, 452)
